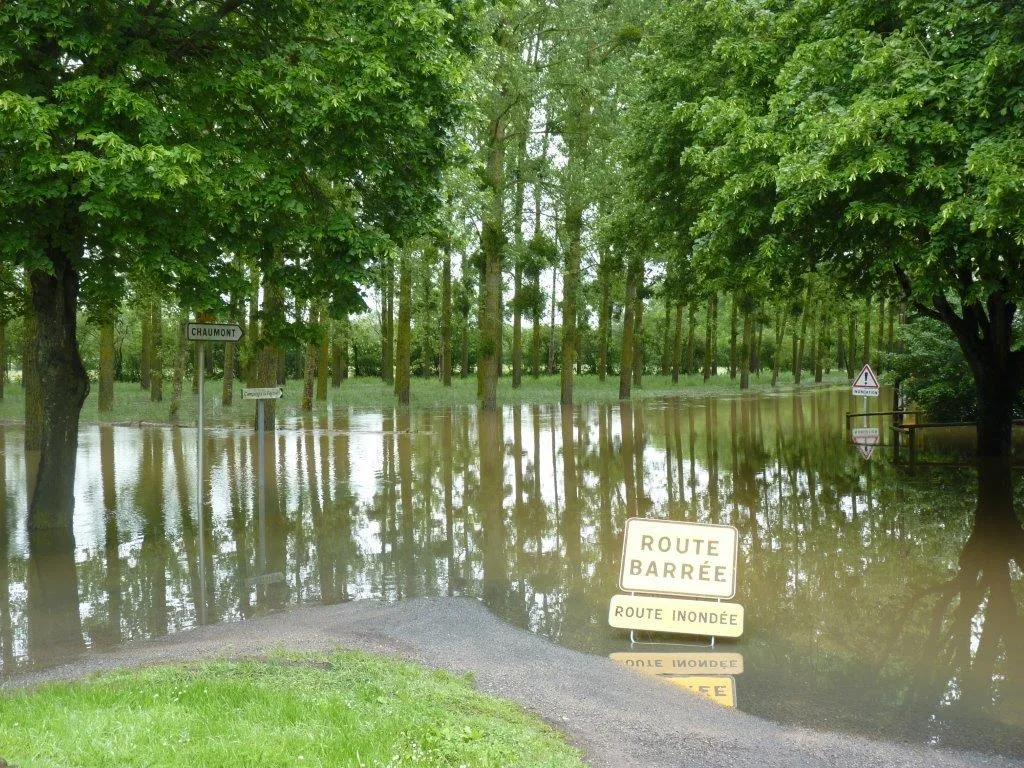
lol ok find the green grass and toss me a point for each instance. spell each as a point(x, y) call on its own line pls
point(344, 709)
point(132, 403)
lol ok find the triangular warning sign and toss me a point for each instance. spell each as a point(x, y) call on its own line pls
point(866, 383)
point(867, 451)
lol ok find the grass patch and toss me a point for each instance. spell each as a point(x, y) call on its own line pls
point(132, 404)
point(343, 709)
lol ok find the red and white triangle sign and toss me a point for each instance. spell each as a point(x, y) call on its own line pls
point(866, 450)
point(866, 383)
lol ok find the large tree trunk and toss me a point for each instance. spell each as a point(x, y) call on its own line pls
point(745, 349)
point(551, 332)
point(628, 336)
point(63, 386)
point(639, 360)
point(387, 326)
point(403, 349)
point(309, 369)
point(106, 393)
point(446, 319)
point(570, 291)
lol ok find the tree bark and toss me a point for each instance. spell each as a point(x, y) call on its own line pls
point(708, 332)
point(403, 348)
point(570, 291)
point(30, 379)
point(798, 360)
point(446, 319)
point(156, 375)
point(733, 332)
point(227, 391)
point(387, 326)
point(106, 377)
point(323, 358)
point(780, 331)
point(63, 386)
point(628, 336)
point(178, 376)
point(851, 345)
point(691, 322)
point(866, 355)
point(3, 358)
point(604, 318)
point(492, 245)
point(146, 353)
point(677, 343)
point(745, 349)
point(638, 330)
point(551, 334)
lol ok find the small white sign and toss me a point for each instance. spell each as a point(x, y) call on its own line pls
point(676, 615)
point(263, 393)
point(213, 332)
point(866, 436)
point(866, 383)
point(677, 558)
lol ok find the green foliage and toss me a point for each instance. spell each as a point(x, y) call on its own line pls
point(342, 709)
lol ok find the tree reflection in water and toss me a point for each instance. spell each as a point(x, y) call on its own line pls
point(877, 601)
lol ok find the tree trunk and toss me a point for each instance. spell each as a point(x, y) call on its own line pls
point(63, 386)
point(309, 376)
point(639, 360)
point(880, 341)
point(851, 345)
point(677, 343)
point(146, 354)
point(708, 331)
point(335, 363)
point(156, 376)
point(403, 348)
point(178, 376)
point(570, 291)
point(733, 332)
point(267, 351)
point(866, 355)
point(604, 318)
point(30, 379)
point(798, 361)
point(745, 349)
point(551, 334)
point(666, 340)
point(628, 336)
point(691, 322)
point(714, 333)
point(227, 391)
point(446, 319)
point(538, 323)
point(780, 332)
point(3, 358)
point(820, 334)
point(323, 358)
point(492, 246)
point(106, 378)
point(345, 343)
point(387, 326)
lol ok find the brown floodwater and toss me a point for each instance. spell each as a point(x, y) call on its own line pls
point(879, 599)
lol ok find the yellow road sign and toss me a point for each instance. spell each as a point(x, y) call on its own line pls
point(676, 615)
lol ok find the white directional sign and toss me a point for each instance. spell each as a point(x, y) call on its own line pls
point(678, 558)
point(866, 436)
point(866, 383)
point(213, 332)
point(263, 393)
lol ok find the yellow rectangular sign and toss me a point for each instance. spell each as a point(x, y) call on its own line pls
point(692, 663)
point(719, 689)
point(676, 558)
point(676, 615)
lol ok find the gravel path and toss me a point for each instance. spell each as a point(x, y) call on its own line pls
point(618, 718)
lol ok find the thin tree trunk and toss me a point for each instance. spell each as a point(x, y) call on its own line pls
point(714, 334)
point(323, 358)
point(336, 362)
point(551, 334)
point(156, 376)
point(387, 326)
point(733, 332)
point(677, 343)
point(178, 376)
point(309, 375)
point(708, 331)
point(639, 361)
point(604, 318)
point(745, 349)
point(227, 391)
point(866, 355)
point(538, 324)
point(106, 389)
point(880, 341)
point(666, 339)
point(851, 345)
point(3, 358)
point(798, 362)
point(628, 337)
point(446, 319)
point(347, 351)
point(146, 354)
point(780, 332)
point(691, 337)
point(403, 348)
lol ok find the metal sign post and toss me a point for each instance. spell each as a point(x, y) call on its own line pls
point(201, 333)
point(261, 395)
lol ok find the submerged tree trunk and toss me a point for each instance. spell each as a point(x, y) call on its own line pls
point(63, 386)
point(106, 377)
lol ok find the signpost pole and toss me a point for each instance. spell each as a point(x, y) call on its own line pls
point(262, 482)
point(865, 410)
point(201, 362)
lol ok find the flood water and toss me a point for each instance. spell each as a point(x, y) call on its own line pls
point(878, 600)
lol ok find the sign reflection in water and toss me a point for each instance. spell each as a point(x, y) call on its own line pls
point(877, 602)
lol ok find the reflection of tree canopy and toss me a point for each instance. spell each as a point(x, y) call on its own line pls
point(526, 512)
